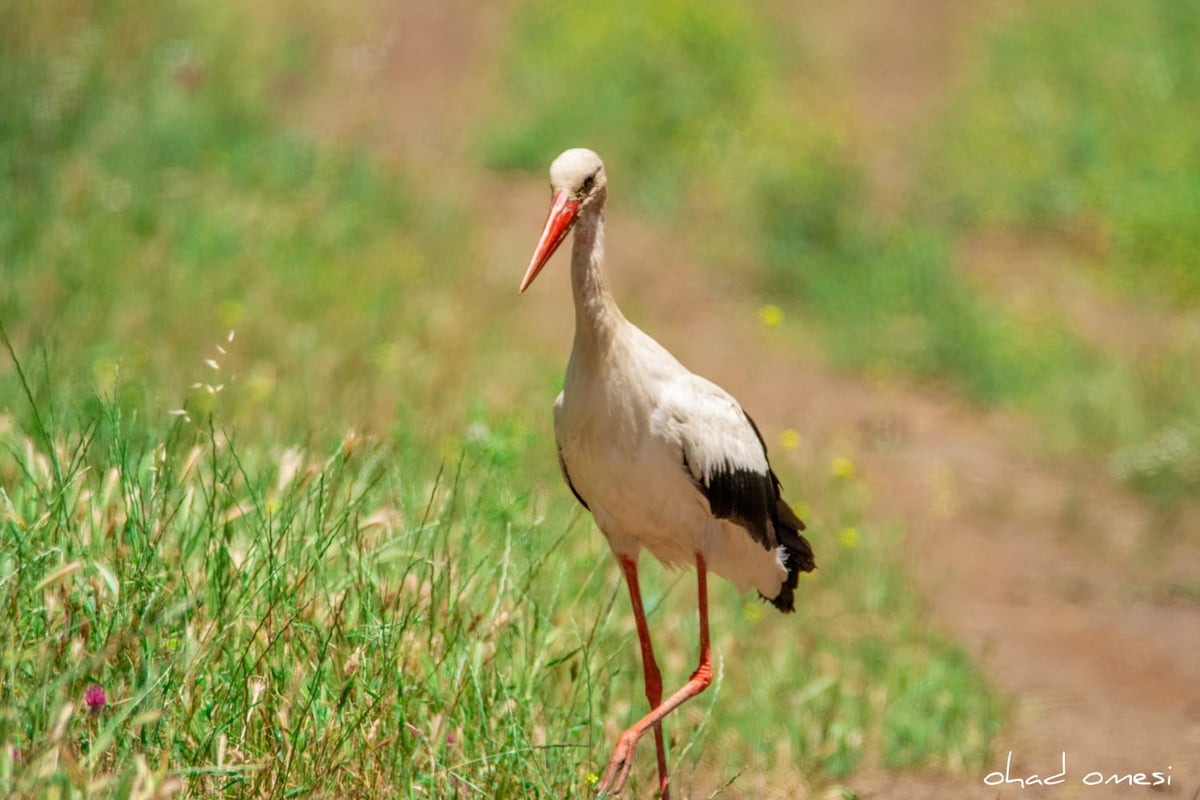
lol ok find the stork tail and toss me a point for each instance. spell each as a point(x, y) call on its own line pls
point(797, 555)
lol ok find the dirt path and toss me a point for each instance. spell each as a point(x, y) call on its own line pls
point(1038, 567)
point(1035, 566)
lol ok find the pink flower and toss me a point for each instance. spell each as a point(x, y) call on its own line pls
point(95, 698)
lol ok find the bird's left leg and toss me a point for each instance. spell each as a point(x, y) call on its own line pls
point(621, 762)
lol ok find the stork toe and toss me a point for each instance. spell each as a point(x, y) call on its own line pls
point(620, 765)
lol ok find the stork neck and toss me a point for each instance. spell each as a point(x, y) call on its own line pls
point(596, 314)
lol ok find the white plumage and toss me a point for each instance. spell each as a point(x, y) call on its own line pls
point(626, 429)
point(664, 459)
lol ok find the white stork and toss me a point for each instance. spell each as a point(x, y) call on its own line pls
point(663, 458)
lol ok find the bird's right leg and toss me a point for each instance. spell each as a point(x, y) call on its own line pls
point(653, 678)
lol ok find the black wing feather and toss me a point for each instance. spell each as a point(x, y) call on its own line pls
point(754, 500)
point(567, 477)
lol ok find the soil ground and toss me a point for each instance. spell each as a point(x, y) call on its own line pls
point(1036, 564)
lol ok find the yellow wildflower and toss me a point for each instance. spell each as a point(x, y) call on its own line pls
point(843, 468)
point(770, 315)
point(848, 537)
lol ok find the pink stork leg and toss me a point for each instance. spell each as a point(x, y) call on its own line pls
point(621, 763)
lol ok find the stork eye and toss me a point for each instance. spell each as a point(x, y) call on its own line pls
point(588, 182)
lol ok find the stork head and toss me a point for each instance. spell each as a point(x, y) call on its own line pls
point(576, 181)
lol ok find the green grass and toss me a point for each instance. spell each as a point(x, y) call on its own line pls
point(1081, 118)
point(356, 623)
point(274, 606)
point(371, 620)
point(161, 206)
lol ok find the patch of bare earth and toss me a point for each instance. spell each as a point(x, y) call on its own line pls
point(1034, 564)
point(1036, 274)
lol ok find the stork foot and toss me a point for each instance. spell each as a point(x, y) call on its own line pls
point(621, 763)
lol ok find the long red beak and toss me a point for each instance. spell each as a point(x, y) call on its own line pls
point(563, 213)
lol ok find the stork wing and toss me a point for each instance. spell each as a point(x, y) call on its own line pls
point(721, 449)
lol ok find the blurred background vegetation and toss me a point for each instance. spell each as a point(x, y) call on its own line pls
point(203, 291)
point(1090, 142)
